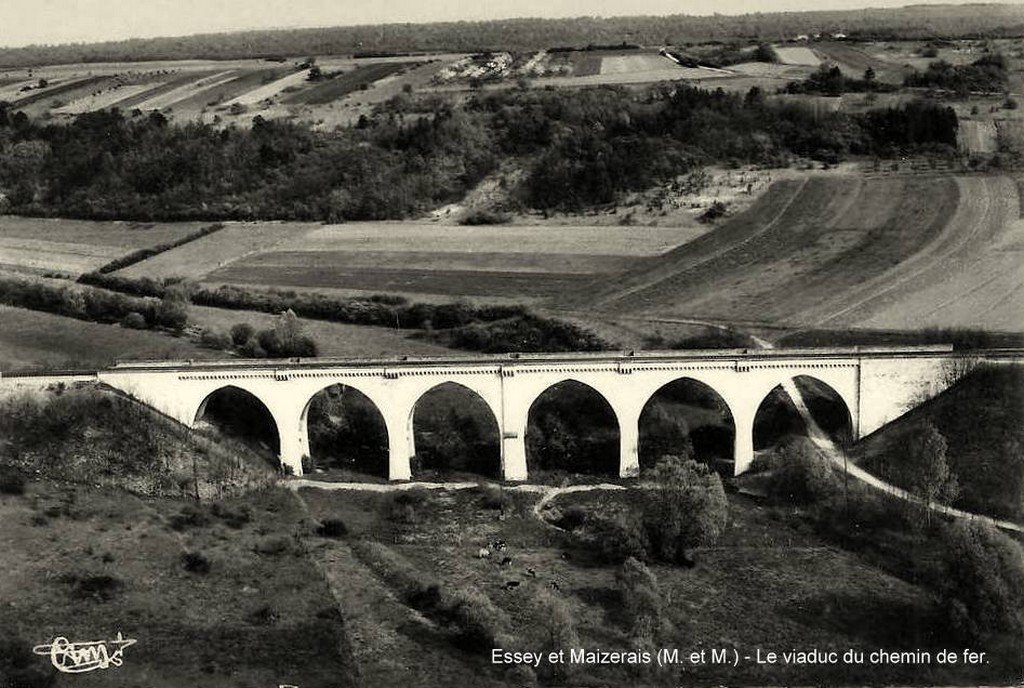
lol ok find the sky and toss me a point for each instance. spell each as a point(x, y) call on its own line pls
point(24, 22)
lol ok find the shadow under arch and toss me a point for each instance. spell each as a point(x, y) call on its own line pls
point(240, 414)
point(777, 417)
point(346, 431)
point(687, 417)
point(455, 430)
point(572, 427)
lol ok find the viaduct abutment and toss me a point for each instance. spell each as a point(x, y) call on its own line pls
point(876, 384)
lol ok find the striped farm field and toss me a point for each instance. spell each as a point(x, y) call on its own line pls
point(413, 258)
point(845, 251)
point(77, 246)
point(225, 92)
point(343, 84)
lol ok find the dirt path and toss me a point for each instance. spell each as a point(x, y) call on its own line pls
point(836, 455)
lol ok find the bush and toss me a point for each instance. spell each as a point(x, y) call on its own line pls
point(618, 537)
point(190, 516)
point(556, 630)
point(982, 581)
point(684, 506)
point(642, 600)
point(242, 333)
point(12, 482)
point(195, 562)
point(406, 506)
point(134, 321)
point(800, 474)
point(263, 616)
point(96, 587)
point(478, 623)
point(234, 517)
point(273, 545)
point(571, 518)
point(332, 527)
point(494, 497)
point(212, 339)
point(485, 217)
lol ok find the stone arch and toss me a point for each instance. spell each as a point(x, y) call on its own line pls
point(779, 414)
point(363, 430)
point(472, 434)
point(567, 446)
point(241, 412)
point(710, 441)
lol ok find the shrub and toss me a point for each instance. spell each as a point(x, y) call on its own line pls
point(195, 562)
point(618, 537)
point(241, 333)
point(190, 516)
point(982, 581)
point(684, 506)
point(263, 616)
point(478, 623)
point(273, 545)
point(800, 474)
point(485, 217)
point(95, 587)
point(212, 339)
point(556, 630)
point(332, 527)
point(572, 518)
point(134, 321)
point(494, 497)
point(406, 506)
point(12, 482)
point(642, 599)
point(234, 517)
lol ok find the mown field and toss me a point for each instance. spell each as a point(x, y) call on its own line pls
point(510, 262)
point(30, 340)
point(77, 246)
point(845, 251)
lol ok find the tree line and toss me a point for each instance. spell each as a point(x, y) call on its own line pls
point(905, 23)
point(580, 148)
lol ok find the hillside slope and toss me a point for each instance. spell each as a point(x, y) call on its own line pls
point(898, 252)
point(980, 418)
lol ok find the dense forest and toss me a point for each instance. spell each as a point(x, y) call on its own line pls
point(914, 22)
point(579, 148)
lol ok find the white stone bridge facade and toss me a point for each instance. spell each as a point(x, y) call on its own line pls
point(876, 384)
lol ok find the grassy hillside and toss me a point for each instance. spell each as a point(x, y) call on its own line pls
point(89, 436)
point(980, 418)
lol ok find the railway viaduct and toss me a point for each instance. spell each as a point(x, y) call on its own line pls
point(876, 384)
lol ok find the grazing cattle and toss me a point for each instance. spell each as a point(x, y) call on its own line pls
point(511, 585)
point(554, 585)
point(531, 573)
point(499, 546)
point(507, 561)
point(483, 553)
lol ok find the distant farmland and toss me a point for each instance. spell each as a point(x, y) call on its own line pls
point(77, 246)
point(845, 251)
point(346, 83)
point(506, 262)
